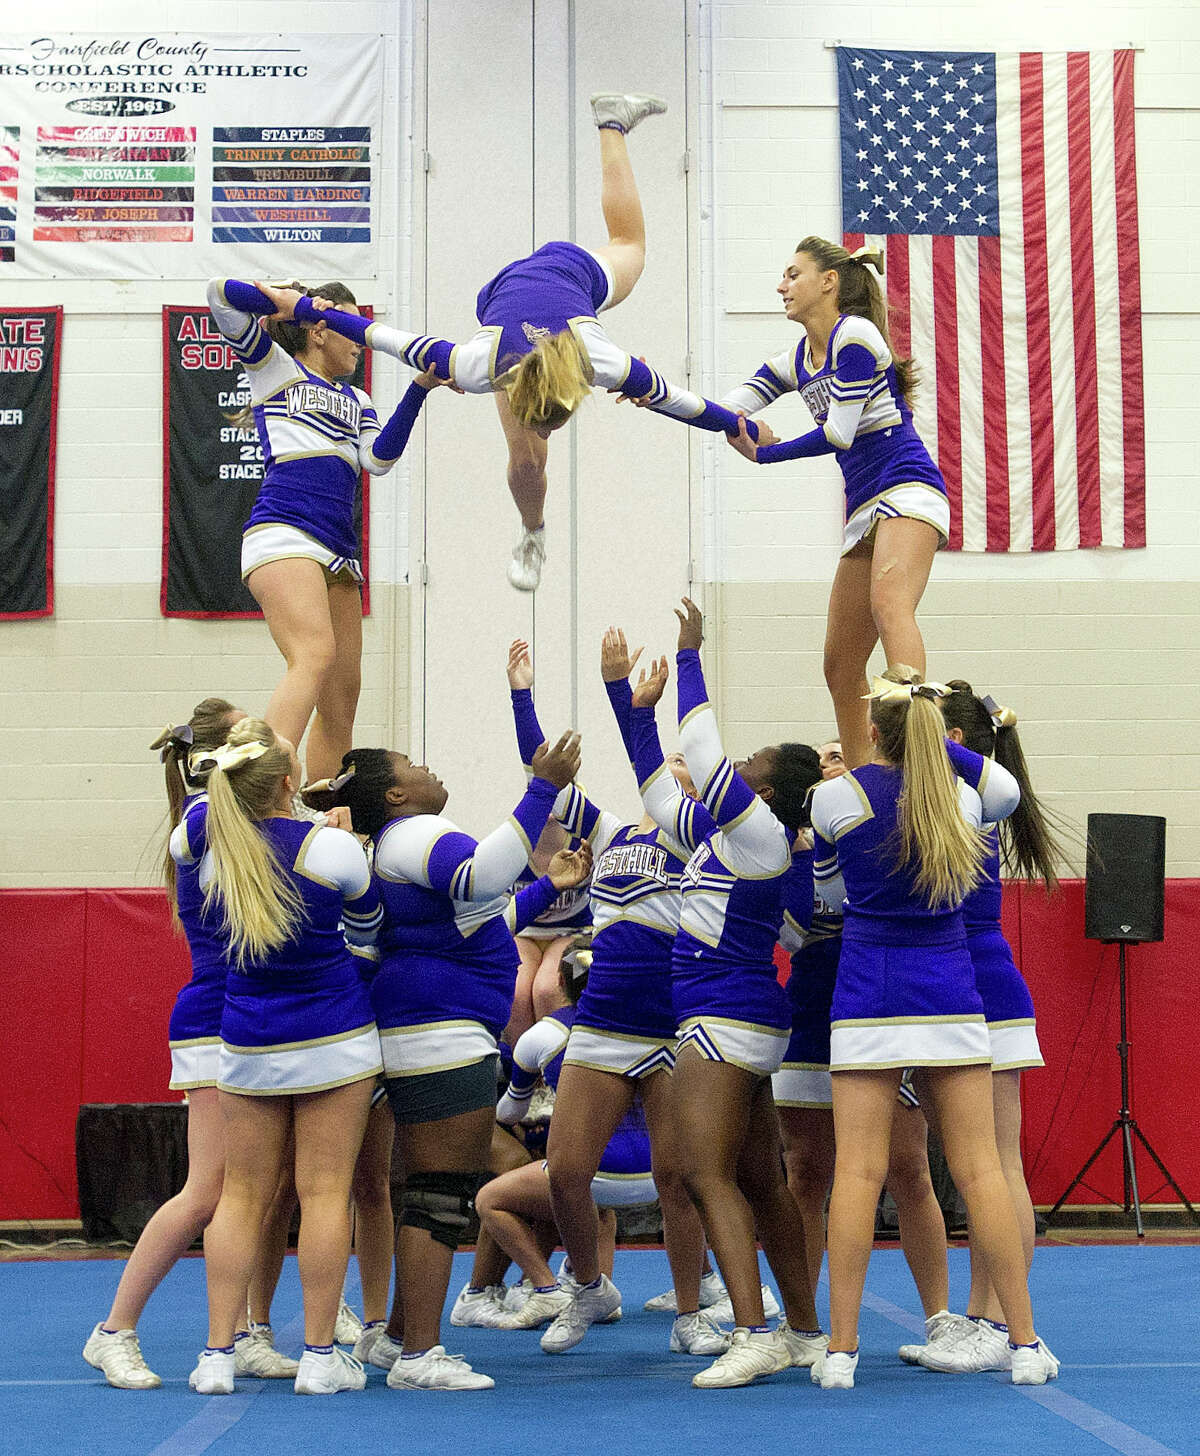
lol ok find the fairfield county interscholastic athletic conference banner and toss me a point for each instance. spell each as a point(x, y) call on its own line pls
point(212, 468)
point(29, 345)
point(175, 155)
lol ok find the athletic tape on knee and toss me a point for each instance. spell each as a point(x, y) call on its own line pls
point(443, 1204)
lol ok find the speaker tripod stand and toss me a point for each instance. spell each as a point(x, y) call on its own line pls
point(1125, 1126)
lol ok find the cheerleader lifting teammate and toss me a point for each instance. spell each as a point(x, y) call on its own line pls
point(441, 996)
point(299, 1049)
point(540, 347)
point(900, 835)
point(897, 511)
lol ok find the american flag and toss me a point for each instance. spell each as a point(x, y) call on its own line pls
point(1003, 191)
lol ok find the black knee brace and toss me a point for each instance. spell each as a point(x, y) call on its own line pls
point(443, 1204)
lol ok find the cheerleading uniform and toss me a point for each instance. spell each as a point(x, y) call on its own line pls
point(905, 993)
point(448, 964)
point(623, 1177)
point(194, 1034)
point(1007, 1004)
point(300, 1019)
point(625, 1022)
point(561, 287)
point(727, 1001)
point(316, 436)
point(862, 418)
point(812, 936)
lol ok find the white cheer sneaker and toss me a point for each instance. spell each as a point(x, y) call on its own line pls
point(698, 1334)
point(376, 1347)
point(525, 568)
point(623, 111)
point(589, 1305)
point(327, 1373)
point(1032, 1364)
point(435, 1370)
point(751, 1355)
point(213, 1374)
point(942, 1328)
point(985, 1348)
point(254, 1353)
point(119, 1355)
point(347, 1327)
point(712, 1291)
point(722, 1311)
point(483, 1309)
point(835, 1371)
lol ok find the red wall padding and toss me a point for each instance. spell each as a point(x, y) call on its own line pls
point(89, 977)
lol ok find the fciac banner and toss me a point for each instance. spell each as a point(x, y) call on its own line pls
point(29, 349)
point(186, 156)
point(212, 468)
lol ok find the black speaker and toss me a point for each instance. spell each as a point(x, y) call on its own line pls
point(1126, 867)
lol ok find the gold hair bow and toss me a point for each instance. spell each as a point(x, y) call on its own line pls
point(871, 256)
point(884, 691)
point(1001, 717)
point(228, 756)
point(173, 735)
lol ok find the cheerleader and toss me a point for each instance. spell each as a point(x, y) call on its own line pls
point(299, 1050)
point(483, 1300)
point(195, 1040)
point(901, 833)
point(540, 347)
point(803, 1090)
point(516, 1210)
point(897, 512)
point(299, 548)
point(442, 995)
point(622, 1041)
point(733, 1017)
point(1026, 845)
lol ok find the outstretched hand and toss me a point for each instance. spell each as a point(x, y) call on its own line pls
point(691, 626)
point(520, 666)
point(642, 401)
point(650, 683)
point(431, 379)
point(570, 867)
point(615, 660)
point(560, 764)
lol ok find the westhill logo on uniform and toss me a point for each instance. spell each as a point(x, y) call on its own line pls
point(303, 399)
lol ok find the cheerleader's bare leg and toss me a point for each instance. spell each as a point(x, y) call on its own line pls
point(1006, 1100)
point(862, 1118)
point(962, 1097)
point(922, 1227)
point(589, 1105)
point(623, 216)
point(295, 601)
point(178, 1223)
point(683, 1233)
point(374, 1226)
point(808, 1157)
point(329, 1132)
point(900, 565)
point(332, 731)
point(850, 638)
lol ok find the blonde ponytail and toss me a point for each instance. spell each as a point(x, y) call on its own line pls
point(262, 909)
point(933, 835)
point(548, 384)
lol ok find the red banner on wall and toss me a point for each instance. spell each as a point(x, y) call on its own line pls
point(29, 350)
point(212, 469)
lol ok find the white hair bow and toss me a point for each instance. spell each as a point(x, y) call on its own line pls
point(884, 691)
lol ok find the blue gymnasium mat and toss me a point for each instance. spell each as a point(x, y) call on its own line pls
point(1124, 1320)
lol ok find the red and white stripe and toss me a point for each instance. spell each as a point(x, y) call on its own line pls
point(1028, 345)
